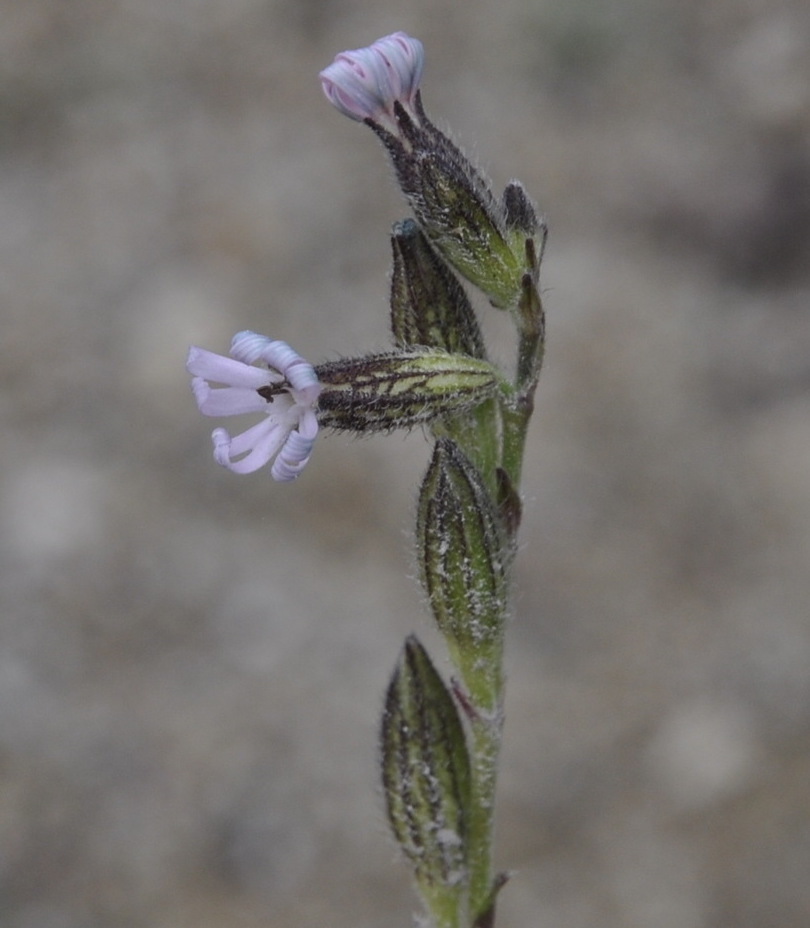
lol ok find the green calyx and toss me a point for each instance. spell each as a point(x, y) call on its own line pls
point(427, 780)
point(462, 550)
point(401, 389)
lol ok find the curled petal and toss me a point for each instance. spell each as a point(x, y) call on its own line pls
point(308, 425)
point(218, 368)
point(292, 458)
point(258, 444)
point(298, 372)
point(287, 431)
point(249, 347)
point(226, 401)
point(283, 361)
point(265, 436)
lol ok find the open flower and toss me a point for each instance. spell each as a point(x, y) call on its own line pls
point(366, 82)
point(287, 392)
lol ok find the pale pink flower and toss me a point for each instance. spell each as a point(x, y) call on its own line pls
point(286, 392)
point(366, 82)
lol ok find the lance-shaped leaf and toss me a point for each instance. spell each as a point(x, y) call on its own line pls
point(426, 778)
point(462, 550)
point(428, 305)
point(401, 389)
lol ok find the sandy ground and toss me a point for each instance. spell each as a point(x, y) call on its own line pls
point(192, 663)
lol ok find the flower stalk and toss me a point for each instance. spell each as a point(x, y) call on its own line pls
point(469, 503)
point(440, 740)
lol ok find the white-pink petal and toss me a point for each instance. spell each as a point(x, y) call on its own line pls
point(405, 59)
point(308, 424)
point(249, 346)
point(220, 369)
point(258, 444)
point(226, 401)
point(297, 371)
point(292, 458)
point(364, 83)
point(288, 430)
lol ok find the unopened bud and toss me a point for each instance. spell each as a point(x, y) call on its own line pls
point(455, 206)
point(364, 83)
point(426, 776)
point(428, 305)
point(452, 200)
point(401, 389)
point(519, 209)
point(463, 552)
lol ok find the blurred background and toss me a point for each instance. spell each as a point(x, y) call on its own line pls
point(192, 663)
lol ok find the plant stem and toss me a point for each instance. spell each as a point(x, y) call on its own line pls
point(487, 720)
point(517, 411)
point(486, 744)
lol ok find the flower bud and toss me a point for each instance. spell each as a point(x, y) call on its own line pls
point(428, 305)
point(525, 232)
point(401, 389)
point(518, 208)
point(452, 200)
point(426, 777)
point(463, 553)
point(455, 207)
point(364, 83)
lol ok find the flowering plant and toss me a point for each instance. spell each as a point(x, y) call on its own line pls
point(440, 739)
